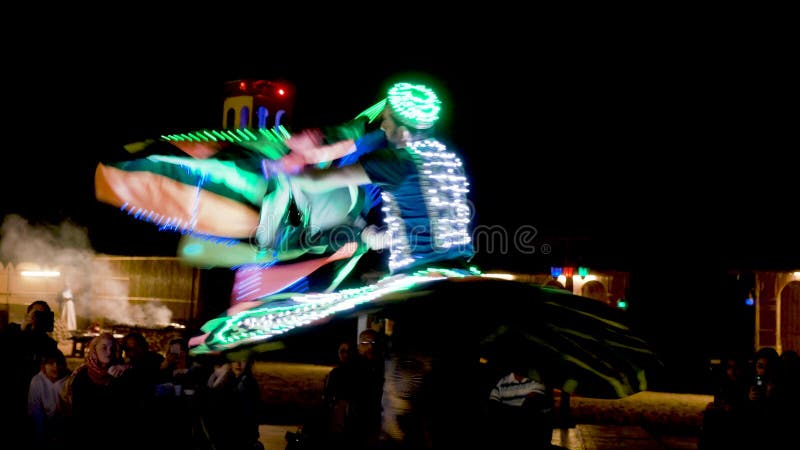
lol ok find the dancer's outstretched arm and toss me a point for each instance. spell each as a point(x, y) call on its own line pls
point(205, 252)
point(324, 180)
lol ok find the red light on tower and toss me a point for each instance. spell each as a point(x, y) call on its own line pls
point(257, 103)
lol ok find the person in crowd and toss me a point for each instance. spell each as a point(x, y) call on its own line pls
point(325, 426)
point(139, 380)
point(232, 405)
point(520, 410)
point(786, 396)
point(789, 378)
point(336, 391)
point(43, 398)
point(174, 410)
point(351, 415)
point(364, 389)
point(724, 417)
point(177, 367)
point(36, 339)
point(93, 398)
point(766, 369)
point(143, 364)
point(762, 412)
point(22, 347)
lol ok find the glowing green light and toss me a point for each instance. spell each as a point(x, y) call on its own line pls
point(279, 314)
point(210, 135)
point(374, 111)
point(416, 105)
point(192, 249)
point(622, 304)
point(250, 134)
point(283, 132)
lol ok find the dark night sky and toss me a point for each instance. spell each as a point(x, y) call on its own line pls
point(647, 156)
point(660, 157)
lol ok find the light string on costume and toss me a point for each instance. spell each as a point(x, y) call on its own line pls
point(196, 206)
point(249, 282)
point(445, 184)
point(268, 141)
point(277, 135)
point(173, 224)
point(399, 247)
point(277, 317)
point(163, 222)
point(249, 185)
point(252, 188)
point(444, 189)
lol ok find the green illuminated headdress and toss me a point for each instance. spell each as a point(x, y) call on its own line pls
point(415, 105)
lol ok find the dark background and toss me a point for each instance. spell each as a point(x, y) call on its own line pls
point(672, 161)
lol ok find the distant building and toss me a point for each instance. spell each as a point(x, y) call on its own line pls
point(777, 302)
point(257, 104)
point(135, 288)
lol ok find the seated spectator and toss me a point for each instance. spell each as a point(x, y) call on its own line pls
point(520, 411)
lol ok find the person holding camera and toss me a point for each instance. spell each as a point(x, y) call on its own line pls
point(723, 419)
point(22, 348)
point(36, 340)
point(765, 367)
point(762, 413)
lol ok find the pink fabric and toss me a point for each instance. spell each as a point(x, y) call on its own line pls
point(216, 215)
point(197, 340)
point(199, 150)
point(254, 282)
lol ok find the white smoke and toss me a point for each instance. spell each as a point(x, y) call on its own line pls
point(96, 288)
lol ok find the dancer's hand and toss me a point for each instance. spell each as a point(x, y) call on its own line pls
point(292, 163)
point(305, 141)
point(375, 238)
